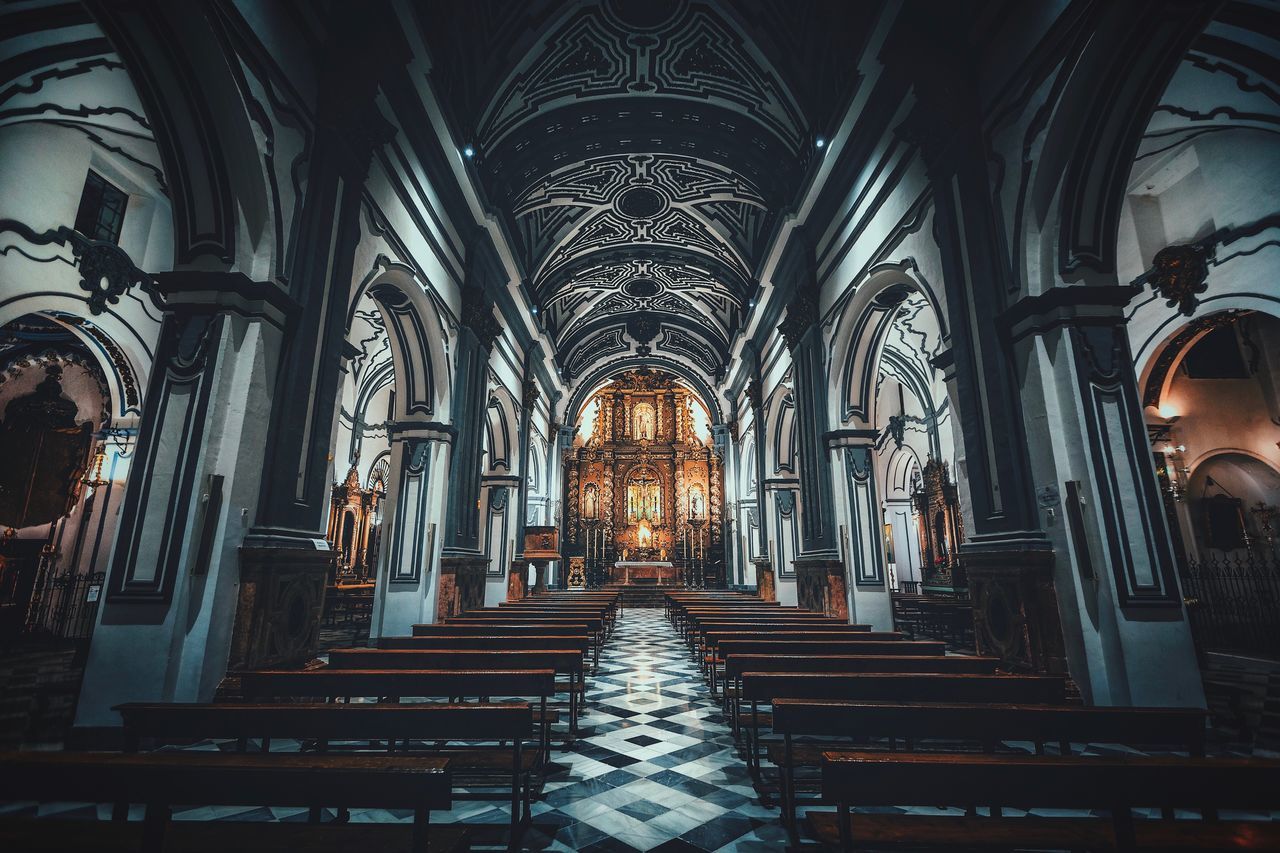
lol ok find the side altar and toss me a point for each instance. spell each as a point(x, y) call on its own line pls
point(628, 571)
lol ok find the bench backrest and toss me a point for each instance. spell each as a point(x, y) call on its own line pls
point(770, 644)
point(736, 664)
point(716, 636)
point(327, 721)
point(992, 723)
point(211, 778)
point(1076, 782)
point(561, 660)
point(766, 686)
point(490, 629)
point(581, 642)
point(397, 682)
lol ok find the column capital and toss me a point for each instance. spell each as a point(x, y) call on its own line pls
point(851, 438)
point(421, 431)
point(802, 315)
point(1068, 305)
point(205, 292)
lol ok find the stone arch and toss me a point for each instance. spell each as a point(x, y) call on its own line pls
point(860, 326)
point(181, 64)
point(600, 374)
point(418, 342)
point(123, 352)
point(1116, 69)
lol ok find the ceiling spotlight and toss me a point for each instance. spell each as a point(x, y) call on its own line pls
point(821, 143)
point(751, 304)
point(469, 152)
point(534, 309)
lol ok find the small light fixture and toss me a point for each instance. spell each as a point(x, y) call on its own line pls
point(820, 142)
point(469, 152)
point(534, 309)
point(751, 304)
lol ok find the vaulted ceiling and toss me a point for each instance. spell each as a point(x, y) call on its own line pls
point(642, 152)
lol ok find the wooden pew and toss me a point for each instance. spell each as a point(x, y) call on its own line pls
point(712, 656)
point(155, 724)
point(563, 661)
point(395, 684)
point(765, 687)
point(593, 625)
point(978, 725)
point(1116, 785)
point(737, 664)
point(504, 629)
point(163, 780)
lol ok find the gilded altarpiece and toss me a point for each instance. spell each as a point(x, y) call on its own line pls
point(644, 485)
point(940, 527)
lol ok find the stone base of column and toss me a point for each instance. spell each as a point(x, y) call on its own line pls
point(280, 604)
point(462, 582)
point(539, 575)
point(766, 584)
point(1015, 609)
point(516, 580)
point(820, 586)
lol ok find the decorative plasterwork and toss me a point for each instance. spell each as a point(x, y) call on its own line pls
point(640, 200)
point(692, 55)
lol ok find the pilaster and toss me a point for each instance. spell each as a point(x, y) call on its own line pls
point(852, 452)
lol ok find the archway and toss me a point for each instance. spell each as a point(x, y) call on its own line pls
point(67, 422)
point(644, 487)
point(389, 458)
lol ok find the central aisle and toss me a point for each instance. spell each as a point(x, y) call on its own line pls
point(656, 767)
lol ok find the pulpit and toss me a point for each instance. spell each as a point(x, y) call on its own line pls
point(541, 545)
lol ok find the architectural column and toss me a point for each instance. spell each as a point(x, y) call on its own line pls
point(462, 565)
point(174, 579)
point(418, 480)
point(723, 435)
point(1006, 557)
point(528, 403)
point(820, 582)
point(1128, 638)
point(853, 455)
point(766, 579)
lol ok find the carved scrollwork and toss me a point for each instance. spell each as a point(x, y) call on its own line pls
point(1180, 274)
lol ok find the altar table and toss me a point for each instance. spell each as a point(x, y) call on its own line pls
point(645, 569)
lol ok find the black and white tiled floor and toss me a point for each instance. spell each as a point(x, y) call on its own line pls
point(655, 768)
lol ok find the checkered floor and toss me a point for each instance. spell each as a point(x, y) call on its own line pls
point(656, 767)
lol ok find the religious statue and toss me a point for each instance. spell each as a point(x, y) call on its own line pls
point(643, 428)
point(697, 504)
point(591, 501)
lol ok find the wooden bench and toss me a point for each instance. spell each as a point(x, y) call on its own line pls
point(394, 684)
point(506, 725)
point(765, 687)
point(1117, 785)
point(563, 661)
point(163, 780)
point(843, 646)
point(504, 629)
point(737, 664)
point(711, 656)
point(976, 725)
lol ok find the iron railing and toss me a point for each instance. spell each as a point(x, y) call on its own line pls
point(64, 606)
point(1233, 602)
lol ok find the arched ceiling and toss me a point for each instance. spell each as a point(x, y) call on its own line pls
point(642, 152)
